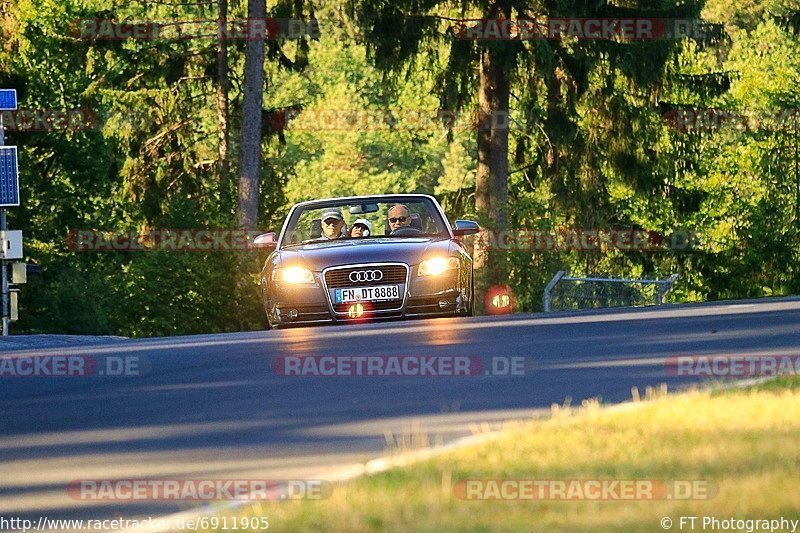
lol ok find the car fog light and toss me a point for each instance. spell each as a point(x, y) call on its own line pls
point(443, 304)
point(293, 314)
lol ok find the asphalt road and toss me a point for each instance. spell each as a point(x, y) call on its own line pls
point(211, 407)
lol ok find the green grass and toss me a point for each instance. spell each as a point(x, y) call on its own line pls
point(788, 382)
point(742, 442)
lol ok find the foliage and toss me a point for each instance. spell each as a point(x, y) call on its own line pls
point(592, 145)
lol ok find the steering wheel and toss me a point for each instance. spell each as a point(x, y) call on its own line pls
point(407, 230)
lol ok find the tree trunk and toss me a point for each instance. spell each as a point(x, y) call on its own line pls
point(491, 185)
point(249, 161)
point(223, 85)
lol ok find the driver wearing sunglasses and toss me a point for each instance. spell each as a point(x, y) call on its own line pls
point(399, 217)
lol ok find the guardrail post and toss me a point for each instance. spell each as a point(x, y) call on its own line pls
point(665, 286)
point(549, 289)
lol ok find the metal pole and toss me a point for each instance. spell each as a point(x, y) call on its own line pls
point(4, 302)
point(5, 273)
point(549, 289)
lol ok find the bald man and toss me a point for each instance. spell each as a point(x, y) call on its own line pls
point(399, 217)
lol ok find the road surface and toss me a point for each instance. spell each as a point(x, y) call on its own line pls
point(212, 407)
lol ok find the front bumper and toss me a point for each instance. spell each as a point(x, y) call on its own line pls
point(445, 295)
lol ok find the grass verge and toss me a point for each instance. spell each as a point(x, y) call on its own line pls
point(742, 443)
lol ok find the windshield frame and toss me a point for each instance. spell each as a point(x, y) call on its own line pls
point(383, 198)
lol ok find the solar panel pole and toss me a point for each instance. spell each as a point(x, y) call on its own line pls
point(8, 101)
point(3, 232)
point(5, 269)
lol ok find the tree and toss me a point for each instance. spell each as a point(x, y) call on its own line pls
point(250, 151)
point(223, 88)
point(560, 69)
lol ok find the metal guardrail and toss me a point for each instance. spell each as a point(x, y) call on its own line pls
point(663, 285)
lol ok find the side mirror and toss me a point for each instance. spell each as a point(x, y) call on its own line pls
point(267, 241)
point(465, 227)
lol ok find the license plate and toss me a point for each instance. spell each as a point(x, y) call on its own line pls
point(381, 293)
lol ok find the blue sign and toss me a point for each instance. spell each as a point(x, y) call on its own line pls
point(8, 99)
point(9, 177)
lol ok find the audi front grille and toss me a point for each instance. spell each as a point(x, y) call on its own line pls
point(360, 276)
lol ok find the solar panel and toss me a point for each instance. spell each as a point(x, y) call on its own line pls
point(8, 99)
point(9, 176)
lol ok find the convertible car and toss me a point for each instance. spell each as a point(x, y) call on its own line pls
point(404, 260)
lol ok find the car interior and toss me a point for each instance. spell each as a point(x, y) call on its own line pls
point(421, 220)
point(315, 229)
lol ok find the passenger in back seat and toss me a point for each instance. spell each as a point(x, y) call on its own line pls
point(361, 228)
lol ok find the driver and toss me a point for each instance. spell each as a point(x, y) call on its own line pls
point(399, 217)
point(332, 225)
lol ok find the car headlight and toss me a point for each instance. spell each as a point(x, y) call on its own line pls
point(295, 275)
point(438, 266)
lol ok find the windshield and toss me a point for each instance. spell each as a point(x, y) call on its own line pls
point(364, 219)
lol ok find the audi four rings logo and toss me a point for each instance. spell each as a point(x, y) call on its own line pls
point(366, 275)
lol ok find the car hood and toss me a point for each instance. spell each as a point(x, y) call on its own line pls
point(410, 250)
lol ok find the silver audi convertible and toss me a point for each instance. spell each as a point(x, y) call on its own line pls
point(366, 258)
